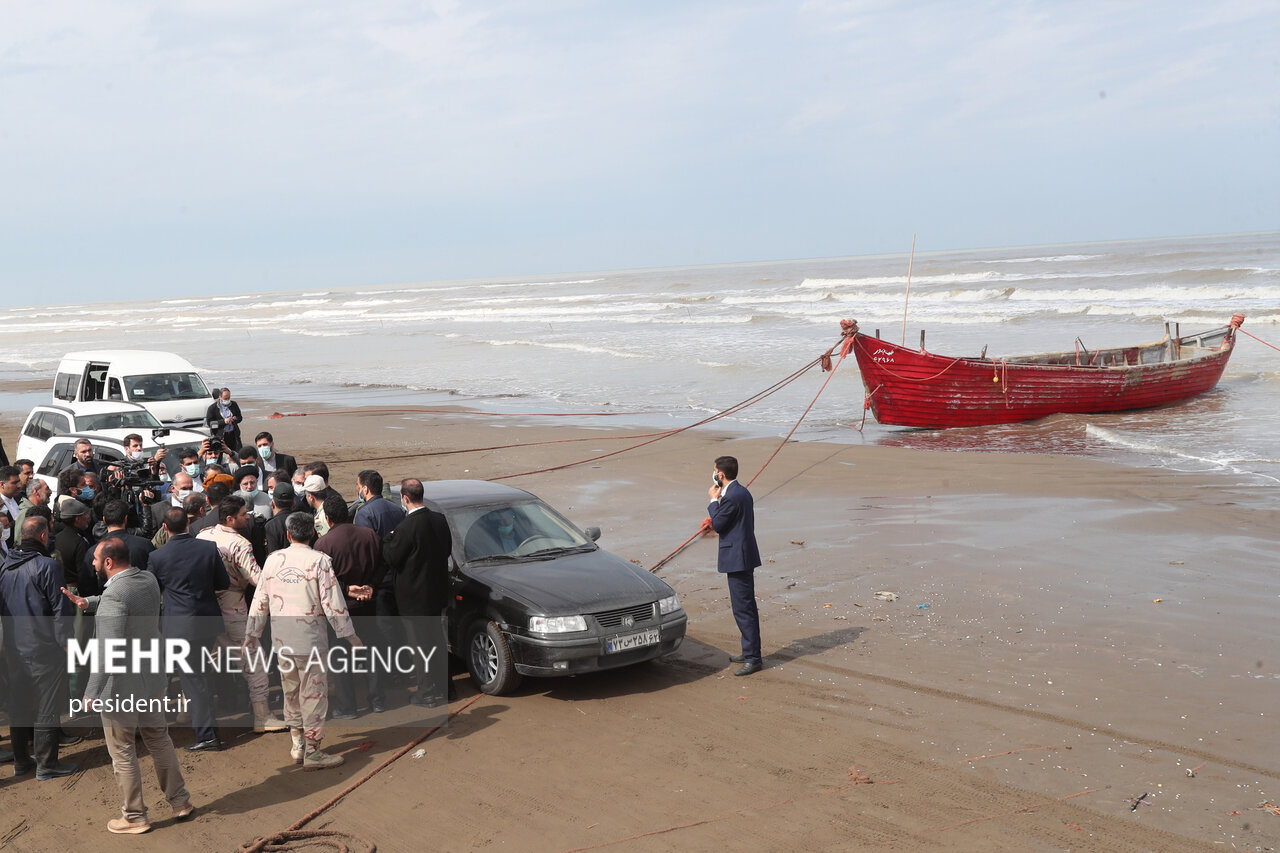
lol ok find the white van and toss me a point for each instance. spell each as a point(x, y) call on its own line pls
point(166, 384)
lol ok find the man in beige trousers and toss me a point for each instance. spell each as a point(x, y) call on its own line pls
point(129, 610)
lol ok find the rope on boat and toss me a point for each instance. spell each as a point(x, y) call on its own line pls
point(866, 404)
point(926, 379)
point(1258, 339)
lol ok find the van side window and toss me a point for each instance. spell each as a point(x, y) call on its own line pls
point(113, 389)
point(64, 386)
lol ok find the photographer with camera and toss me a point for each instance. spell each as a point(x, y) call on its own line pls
point(137, 481)
point(223, 418)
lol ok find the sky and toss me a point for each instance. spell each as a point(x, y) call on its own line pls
point(228, 146)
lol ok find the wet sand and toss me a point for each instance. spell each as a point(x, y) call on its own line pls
point(1020, 694)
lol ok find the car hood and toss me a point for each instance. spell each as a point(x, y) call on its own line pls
point(572, 584)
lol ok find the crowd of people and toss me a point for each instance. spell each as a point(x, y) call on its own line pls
point(236, 545)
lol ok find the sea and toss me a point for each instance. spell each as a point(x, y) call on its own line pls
point(664, 348)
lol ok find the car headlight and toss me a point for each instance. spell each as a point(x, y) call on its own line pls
point(557, 624)
point(670, 604)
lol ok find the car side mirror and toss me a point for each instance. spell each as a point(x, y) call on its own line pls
point(593, 533)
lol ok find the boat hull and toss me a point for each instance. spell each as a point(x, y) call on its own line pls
point(908, 387)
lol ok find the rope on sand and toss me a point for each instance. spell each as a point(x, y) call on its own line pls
point(295, 838)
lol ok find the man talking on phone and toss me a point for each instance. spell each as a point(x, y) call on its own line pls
point(733, 518)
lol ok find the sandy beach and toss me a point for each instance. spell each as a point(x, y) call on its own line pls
point(1068, 636)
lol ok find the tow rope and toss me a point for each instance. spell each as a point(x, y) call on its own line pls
point(848, 333)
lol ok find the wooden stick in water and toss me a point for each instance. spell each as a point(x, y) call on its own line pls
point(908, 296)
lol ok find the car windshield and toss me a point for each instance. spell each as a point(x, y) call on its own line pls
point(515, 531)
point(152, 387)
point(116, 420)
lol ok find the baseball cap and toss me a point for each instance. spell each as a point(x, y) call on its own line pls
point(72, 508)
point(283, 495)
point(314, 485)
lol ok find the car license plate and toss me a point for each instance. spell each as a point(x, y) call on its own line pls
point(631, 641)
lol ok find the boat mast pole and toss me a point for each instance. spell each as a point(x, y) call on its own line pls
point(907, 298)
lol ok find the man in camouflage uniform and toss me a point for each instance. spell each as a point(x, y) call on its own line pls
point(296, 588)
point(242, 570)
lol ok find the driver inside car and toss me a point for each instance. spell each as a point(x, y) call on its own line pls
point(494, 533)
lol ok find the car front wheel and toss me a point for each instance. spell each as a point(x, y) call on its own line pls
point(489, 660)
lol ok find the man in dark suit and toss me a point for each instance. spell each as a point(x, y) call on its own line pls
point(223, 419)
point(418, 552)
point(356, 555)
point(733, 517)
point(132, 701)
point(273, 462)
point(190, 573)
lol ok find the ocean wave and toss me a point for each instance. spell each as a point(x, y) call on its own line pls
point(557, 345)
point(320, 333)
point(1046, 259)
point(1119, 439)
point(881, 280)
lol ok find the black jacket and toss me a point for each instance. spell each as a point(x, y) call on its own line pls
point(213, 418)
point(418, 553)
point(38, 618)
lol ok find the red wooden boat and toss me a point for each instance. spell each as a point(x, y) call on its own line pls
point(911, 387)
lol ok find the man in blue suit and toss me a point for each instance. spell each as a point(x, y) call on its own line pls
point(733, 517)
point(190, 573)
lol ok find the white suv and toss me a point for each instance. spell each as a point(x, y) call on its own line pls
point(112, 420)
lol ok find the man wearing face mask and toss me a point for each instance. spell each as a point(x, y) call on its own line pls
point(133, 447)
point(178, 490)
point(191, 467)
point(247, 483)
point(271, 461)
point(223, 418)
point(70, 487)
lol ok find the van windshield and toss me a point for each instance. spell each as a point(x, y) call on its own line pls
point(166, 386)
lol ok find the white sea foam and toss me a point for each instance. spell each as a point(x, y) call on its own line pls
point(1046, 259)
point(584, 348)
point(1168, 451)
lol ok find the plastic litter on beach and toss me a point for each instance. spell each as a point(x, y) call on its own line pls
point(419, 753)
point(924, 606)
point(885, 595)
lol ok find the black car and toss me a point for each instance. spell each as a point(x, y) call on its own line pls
point(534, 595)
